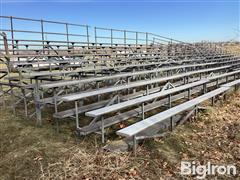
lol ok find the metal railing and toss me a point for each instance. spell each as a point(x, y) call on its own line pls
point(41, 26)
point(37, 37)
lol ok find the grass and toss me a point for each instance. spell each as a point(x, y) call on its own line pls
point(30, 152)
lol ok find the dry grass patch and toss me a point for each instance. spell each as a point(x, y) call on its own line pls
point(30, 152)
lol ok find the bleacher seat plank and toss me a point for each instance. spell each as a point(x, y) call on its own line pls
point(74, 97)
point(126, 104)
point(144, 124)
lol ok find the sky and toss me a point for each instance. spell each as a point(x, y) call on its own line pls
point(186, 20)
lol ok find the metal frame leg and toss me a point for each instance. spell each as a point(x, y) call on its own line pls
point(196, 111)
point(189, 94)
point(76, 112)
point(204, 88)
point(25, 106)
point(212, 99)
point(217, 83)
point(3, 100)
point(55, 100)
point(134, 145)
point(98, 96)
point(37, 104)
point(147, 90)
point(171, 123)
point(102, 130)
point(143, 111)
point(169, 101)
point(225, 96)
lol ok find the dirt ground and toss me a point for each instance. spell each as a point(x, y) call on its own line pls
point(30, 152)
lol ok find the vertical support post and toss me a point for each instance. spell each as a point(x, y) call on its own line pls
point(143, 111)
point(111, 38)
point(235, 87)
point(25, 102)
point(225, 94)
point(212, 101)
point(196, 111)
point(171, 47)
point(147, 90)
point(98, 96)
point(76, 112)
point(87, 35)
point(184, 80)
point(189, 94)
point(42, 32)
point(67, 35)
point(217, 83)
point(136, 40)
point(171, 123)
point(13, 103)
point(125, 41)
point(146, 42)
point(204, 88)
point(102, 130)
point(128, 81)
point(169, 73)
point(118, 98)
point(12, 33)
point(134, 90)
point(55, 100)
point(95, 35)
point(3, 99)
point(169, 101)
point(187, 79)
point(37, 103)
point(134, 145)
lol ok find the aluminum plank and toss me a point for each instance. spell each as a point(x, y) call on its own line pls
point(74, 97)
point(143, 99)
point(144, 124)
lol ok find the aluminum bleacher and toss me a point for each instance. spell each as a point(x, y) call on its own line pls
point(133, 130)
point(82, 75)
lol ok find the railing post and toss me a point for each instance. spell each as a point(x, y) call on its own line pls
point(146, 41)
point(87, 35)
point(42, 32)
point(95, 35)
point(111, 38)
point(67, 35)
point(12, 33)
point(125, 41)
point(136, 40)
